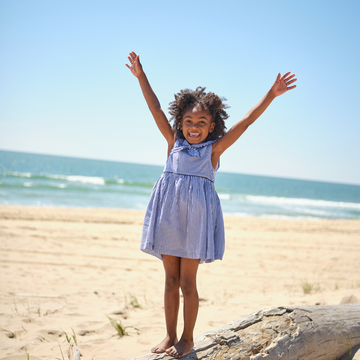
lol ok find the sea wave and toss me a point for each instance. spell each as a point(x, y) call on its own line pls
point(224, 196)
point(60, 186)
point(274, 216)
point(290, 217)
point(18, 174)
point(283, 201)
point(95, 180)
point(301, 201)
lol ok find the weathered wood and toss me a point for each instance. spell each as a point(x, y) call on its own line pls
point(353, 354)
point(286, 333)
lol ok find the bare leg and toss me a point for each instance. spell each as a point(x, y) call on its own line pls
point(188, 270)
point(171, 302)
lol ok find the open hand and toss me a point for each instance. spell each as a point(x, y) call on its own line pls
point(281, 84)
point(135, 66)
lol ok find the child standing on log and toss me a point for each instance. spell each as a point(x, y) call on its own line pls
point(183, 223)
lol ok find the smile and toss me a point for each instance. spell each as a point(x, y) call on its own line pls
point(194, 135)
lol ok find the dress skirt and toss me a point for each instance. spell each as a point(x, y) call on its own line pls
point(184, 219)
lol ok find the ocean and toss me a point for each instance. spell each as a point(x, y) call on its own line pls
point(46, 180)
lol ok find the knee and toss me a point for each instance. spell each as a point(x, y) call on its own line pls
point(188, 287)
point(172, 283)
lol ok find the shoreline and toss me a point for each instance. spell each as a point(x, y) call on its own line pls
point(225, 215)
point(66, 268)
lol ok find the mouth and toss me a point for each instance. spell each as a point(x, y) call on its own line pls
point(194, 135)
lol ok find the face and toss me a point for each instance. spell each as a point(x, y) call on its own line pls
point(196, 125)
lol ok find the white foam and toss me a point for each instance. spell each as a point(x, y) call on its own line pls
point(313, 211)
point(302, 202)
point(79, 178)
point(120, 181)
point(224, 196)
point(28, 184)
point(273, 216)
point(288, 217)
point(240, 214)
point(87, 179)
point(20, 174)
point(61, 186)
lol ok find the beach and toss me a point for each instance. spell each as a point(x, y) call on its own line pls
point(65, 269)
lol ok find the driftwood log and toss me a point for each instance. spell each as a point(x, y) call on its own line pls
point(287, 333)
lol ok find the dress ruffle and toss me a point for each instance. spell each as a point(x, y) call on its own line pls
point(192, 150)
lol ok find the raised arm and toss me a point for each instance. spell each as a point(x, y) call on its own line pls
point(280, 86)
point(151, 99)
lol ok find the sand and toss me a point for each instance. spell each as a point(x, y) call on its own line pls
point(64, 269)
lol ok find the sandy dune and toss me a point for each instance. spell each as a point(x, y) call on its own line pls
point(71, 268)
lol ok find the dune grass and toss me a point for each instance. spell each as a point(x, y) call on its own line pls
point(308, 287)
point(61, 353)
point(73, 336)
point(120, 329)
point(133, 301)
point(11, 334)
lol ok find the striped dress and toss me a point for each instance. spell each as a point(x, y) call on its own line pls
point(184, 216)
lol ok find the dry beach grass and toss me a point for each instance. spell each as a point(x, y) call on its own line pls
point(65, 270)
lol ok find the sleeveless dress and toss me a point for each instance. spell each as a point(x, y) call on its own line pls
point(184, 216)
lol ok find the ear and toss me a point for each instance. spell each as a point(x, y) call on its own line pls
point(212, 126)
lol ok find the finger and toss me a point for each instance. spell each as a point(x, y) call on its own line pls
point(278, 77)
point(289, 77)
point(291, 87)
point(291, 81)
point(285, 75)
point(128, 66)
point(131, 61)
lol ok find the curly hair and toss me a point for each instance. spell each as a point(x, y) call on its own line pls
point(210, 102)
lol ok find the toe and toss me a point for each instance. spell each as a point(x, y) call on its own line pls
point(171, 351)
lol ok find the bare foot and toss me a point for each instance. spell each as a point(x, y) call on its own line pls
point(164, 345)
point(182, 348)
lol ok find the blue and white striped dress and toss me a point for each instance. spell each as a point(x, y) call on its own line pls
point(184, 216)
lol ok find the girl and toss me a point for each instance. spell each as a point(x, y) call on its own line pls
point(183, 223)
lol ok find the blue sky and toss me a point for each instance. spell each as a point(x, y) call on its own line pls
point(64, 88)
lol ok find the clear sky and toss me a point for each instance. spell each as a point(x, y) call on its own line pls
point(64, 88)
